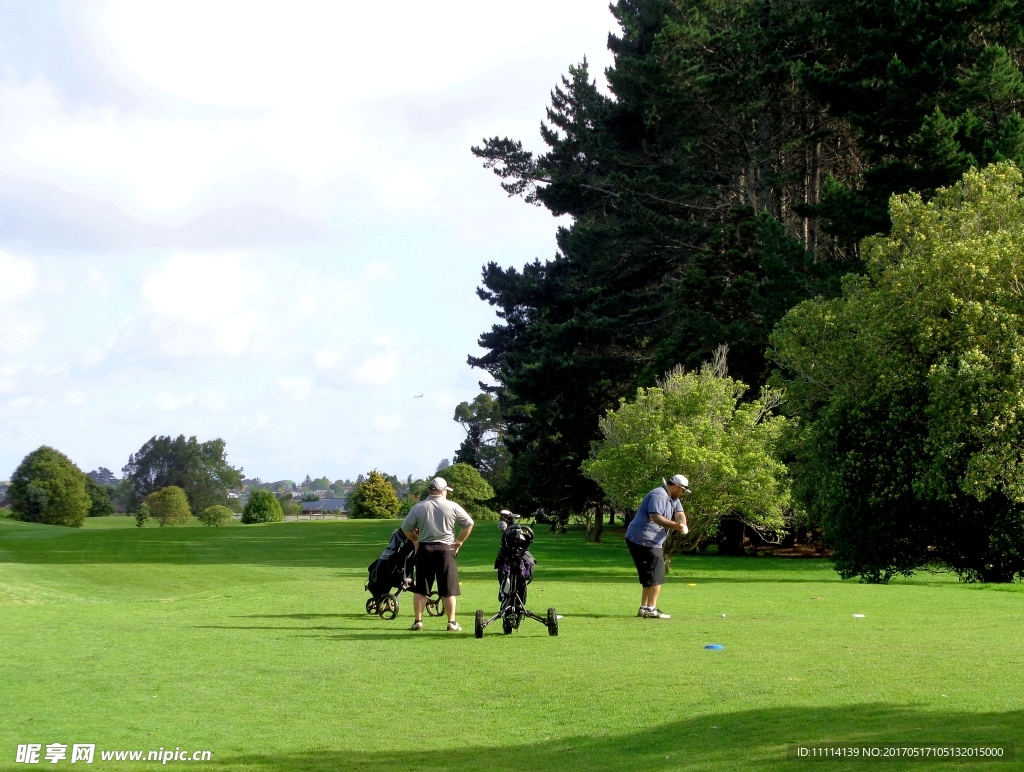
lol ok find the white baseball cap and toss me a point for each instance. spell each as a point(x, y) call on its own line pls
point(679, 480)
point(440, 484)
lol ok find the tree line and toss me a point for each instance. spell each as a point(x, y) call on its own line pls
point(738, 172)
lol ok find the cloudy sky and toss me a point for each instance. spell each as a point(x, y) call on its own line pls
point(261, 221)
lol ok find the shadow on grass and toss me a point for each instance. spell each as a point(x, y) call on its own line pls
point(749, 740)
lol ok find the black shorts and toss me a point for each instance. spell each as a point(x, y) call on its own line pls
point(650, 563)
point(435, 561)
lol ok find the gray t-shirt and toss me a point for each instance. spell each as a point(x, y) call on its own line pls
point(436, 517)
point(641, 530)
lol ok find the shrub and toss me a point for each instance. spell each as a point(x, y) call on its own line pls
point(471, 491)
point(695, 423)
point(216, 516)
point(169, 506)
point(262, 507)
point(291, 507)
point(142, 515)
point(375, 499)
point(48, 488)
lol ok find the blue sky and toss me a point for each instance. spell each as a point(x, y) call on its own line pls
point(261, 221)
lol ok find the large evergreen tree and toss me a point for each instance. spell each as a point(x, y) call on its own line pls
point(728, 176)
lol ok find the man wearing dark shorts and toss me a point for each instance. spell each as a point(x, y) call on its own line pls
point(431, 527)
point(659, 513)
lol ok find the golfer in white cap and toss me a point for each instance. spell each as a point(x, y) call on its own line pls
point(659, 513)
point(431, 527)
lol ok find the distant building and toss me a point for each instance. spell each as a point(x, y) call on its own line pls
point(325, 507)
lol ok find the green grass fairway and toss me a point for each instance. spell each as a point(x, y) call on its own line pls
point(252, 642)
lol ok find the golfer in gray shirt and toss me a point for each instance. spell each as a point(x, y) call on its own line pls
point(430, 525)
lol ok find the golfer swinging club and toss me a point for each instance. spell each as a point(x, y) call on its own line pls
point(436, 548)
point(646, 536)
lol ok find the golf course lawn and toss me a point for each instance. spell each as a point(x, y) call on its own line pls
point(252, 642)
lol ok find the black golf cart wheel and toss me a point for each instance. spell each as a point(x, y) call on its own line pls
point(506, 626)
point(371, 605)
point(552, 622)
point(435, 606)
point(388, 607)
point(479, 628)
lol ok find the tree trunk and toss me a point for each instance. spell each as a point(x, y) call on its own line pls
point(598, 524)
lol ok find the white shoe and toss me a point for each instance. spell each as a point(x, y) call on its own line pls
point(654, 613)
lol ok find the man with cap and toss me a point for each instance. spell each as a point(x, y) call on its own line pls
point(431, 527)
point(646, 536)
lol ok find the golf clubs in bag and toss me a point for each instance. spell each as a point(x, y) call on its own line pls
point(515, 572)
point(393, 570)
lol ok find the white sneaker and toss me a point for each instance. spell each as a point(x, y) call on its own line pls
point(454, 627)
point(654, 613)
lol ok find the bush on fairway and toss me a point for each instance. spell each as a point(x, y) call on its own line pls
point(695, 423)
point(262, 507)
point(375, 499)
point(142, 515)
point(48, 488)
point(169, 506)
point(216, 516)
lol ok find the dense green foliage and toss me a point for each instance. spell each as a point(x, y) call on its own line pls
point(142, 515)
point(262, 507)
point(199, 468)
point(745, 149)
point(48, 488)
point(216, 516)
point(910, 388)
point(272, 607)
point(99, 496)
point(694, 423)
point(471, 491)
point(169, 506)
point(374, 499)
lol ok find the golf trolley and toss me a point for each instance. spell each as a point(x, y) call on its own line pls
point(393, 571)
point(515, 571)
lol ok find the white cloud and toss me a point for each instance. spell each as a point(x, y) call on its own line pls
point(75, 397)
point(390, 423)
point(377, 371)
point(7, 385)
point(295, 389)
point(200, 303)
point(20, 327)
point(18, 277)
point(96, 279)
point(167, 401)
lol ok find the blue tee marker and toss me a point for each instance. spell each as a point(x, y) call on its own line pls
point(714, 646)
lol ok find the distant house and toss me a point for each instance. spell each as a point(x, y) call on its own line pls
point(324, 507)
point(5, 502)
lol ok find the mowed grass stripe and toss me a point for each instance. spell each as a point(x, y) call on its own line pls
point(251, 641)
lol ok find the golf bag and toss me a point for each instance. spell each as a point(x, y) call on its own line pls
point(393, 570)
point(515, 572)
